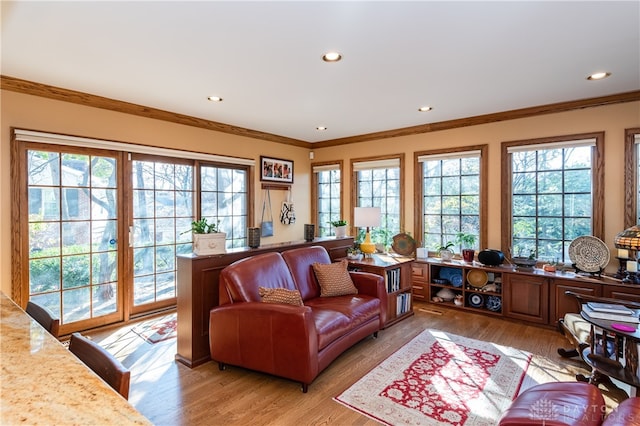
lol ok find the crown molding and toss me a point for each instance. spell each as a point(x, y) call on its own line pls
point(38, 89)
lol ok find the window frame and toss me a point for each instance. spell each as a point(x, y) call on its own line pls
point(419, 190)
point(354, 186)
point(597, 184)
point(314, 192)
point(631, 177)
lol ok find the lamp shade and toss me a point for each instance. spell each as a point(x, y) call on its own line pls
point(629, 238)
point(366, 216)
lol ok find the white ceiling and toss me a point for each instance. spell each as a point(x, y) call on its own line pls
point(264, 58)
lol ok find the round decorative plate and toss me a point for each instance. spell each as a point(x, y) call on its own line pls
point(456, 280)
point(403, 244)
point(589, 254)
point(477, 278)
point(494, 303)
point(476, 300)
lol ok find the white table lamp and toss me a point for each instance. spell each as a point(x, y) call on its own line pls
point(367, 217)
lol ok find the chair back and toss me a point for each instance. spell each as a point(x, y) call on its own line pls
point(44, 317)
point(102, 363)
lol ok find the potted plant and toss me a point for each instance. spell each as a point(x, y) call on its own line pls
point(340, 227)
point(467, 242)
point(207, 238)
point(444, 251)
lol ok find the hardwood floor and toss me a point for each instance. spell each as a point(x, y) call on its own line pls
point(168, 393)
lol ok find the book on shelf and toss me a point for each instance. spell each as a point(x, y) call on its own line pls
point(634, 318)
point(611, 308)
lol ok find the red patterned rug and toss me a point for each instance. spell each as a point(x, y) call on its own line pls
point(158, 330)
point(439, 378)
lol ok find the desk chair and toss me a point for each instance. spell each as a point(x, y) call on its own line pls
point(44, 317)
point(102, 363)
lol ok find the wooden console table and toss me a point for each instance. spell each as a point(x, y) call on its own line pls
point(198, 291)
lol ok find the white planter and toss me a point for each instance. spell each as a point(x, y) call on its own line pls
point(213, 243)
point(341, 231)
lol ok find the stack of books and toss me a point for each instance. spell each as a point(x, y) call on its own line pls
point(611, 312)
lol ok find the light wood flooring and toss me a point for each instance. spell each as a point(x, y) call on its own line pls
point(169, 393)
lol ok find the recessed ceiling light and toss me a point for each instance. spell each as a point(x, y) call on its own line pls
point(331, 57)
point(215, 98)
point(425, 108)
point(321, 128)
point(598, 75)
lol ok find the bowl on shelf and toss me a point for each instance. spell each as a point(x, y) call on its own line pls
point(477, 278)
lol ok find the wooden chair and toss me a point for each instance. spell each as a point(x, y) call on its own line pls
point(44, 317)
point(102, 363)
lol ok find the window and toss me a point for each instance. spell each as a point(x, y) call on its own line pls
point(327, 196)
point(379, 183)
point(224, 200)
point(554, 194)
point(451, 194)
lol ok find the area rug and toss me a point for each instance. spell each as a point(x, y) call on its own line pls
point(158, 330)
point(440, 378)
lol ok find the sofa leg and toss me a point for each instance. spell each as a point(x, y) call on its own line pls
point(305, 387)
point(221, 366)
point(375, 335)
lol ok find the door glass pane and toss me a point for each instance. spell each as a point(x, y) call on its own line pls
point(162, 209)
point(73, 228)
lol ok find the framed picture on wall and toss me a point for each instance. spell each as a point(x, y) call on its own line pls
point(276, 170)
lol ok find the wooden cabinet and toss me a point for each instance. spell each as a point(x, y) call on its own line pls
point(526, 297)
point(561, 303)
point(456, 278)
point(420, 281)
point(198, 291)
point(629, 292)
point(533, 296)
point(398, 280)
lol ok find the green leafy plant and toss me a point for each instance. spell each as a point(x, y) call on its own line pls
point(446, 246)
point(466, 240)
point(337, 223)
point(202, 227)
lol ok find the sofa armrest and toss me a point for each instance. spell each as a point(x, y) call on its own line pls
point(273, 338)
point(372, 285)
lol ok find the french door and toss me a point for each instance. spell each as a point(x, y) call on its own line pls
point(74, 232)
point(162, 209)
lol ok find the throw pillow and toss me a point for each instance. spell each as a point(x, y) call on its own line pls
point(334, 279)
point(280, 295)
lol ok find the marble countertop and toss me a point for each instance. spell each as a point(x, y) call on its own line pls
point(42, 383)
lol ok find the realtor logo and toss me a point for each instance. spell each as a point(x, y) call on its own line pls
point(543, 409)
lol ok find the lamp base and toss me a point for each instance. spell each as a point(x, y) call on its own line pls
point(367, 247)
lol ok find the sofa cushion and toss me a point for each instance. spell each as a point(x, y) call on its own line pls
point(244, 277)
point(334, 279)
point(280, 295)
point(336, 316)
point(299, 261)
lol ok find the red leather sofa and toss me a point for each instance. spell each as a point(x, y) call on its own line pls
point(295, 342)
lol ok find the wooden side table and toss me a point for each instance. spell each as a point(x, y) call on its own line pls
point(612, 353)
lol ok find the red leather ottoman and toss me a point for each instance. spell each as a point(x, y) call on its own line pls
point(627, 413)
point(556, 404)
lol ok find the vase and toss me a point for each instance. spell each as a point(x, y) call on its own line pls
point(253, 237)
point(340, 231)
point(309, 231)
point(468, 255)
point(446, 254)
point(213, 243)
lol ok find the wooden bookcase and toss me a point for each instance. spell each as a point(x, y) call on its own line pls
point(397, 274)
